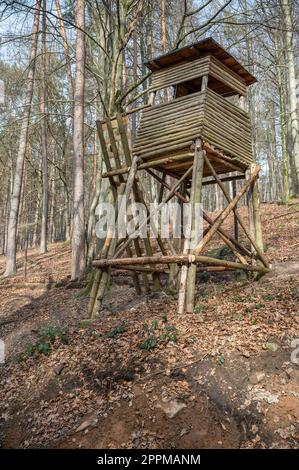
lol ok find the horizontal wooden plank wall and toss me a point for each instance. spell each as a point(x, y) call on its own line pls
point(198, 68)
point(227, 128)
point(180, 73)
point(222, 73)
point(171, 126)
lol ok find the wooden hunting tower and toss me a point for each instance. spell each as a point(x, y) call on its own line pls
point(201, 132)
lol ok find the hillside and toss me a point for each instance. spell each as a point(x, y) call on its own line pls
point(143, 377)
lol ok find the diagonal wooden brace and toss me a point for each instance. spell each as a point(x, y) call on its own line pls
point(229, 200)
point(220, 219)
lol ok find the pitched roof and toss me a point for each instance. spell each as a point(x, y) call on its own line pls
point(194, 51)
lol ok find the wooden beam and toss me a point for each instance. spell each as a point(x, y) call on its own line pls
point(255, 171)
point(179, 259)
point(225, 214)
point(224, 180)
point(146, 220)
point(242, 249)
point(150, 164)
point(166, 185)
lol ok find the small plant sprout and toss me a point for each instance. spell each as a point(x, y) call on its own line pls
point(120, 329)
point(149, 343)
point(198, 309)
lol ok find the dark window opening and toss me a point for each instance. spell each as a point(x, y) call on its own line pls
point(194, 86)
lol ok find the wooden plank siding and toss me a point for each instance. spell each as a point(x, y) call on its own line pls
point(171, 128)
point(196, 69)
point(227, 127)
point(180, 73)
point(175, 124)
point(227, 76)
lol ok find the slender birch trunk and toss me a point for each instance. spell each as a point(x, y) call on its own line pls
point(78, 228)
point(17, 184)
point(52, 201)
point(282, 124)
point(43, 110)
point(71, 98)
point(290, 62)
point(65, 49)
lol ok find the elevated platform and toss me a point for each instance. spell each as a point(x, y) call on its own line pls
point(195, 137)
point(169, 130)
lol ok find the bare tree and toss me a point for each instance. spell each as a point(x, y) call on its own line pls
point(78, 227)
point(65, 49)
point(18, 177)
point(293, 116)
point(43, 110)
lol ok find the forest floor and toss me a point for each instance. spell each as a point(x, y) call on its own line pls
point(143, 377)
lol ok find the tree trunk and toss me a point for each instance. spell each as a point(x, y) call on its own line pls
point(93, 205)
point(294, 122)
point(43, 110)
point(52, 200)
point(163, 39)
point(135, 66)
point(17, 185)
point(71, 98)
point(65, 49)
point(78, 229)
point(282, 123)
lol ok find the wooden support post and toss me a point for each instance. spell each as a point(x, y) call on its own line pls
point(148, 248)
point(250, 213)
point(144, 275)
point(162, 185)
point(125, 188)
point(127, 153)
point(197, 183)
point(135, 275)
point(151, 98)
point(255, 226)
point(189, 230)
point(173, 268)
point(257, 215)
point(186, 246)
point(236, 231)
point(204, 82)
